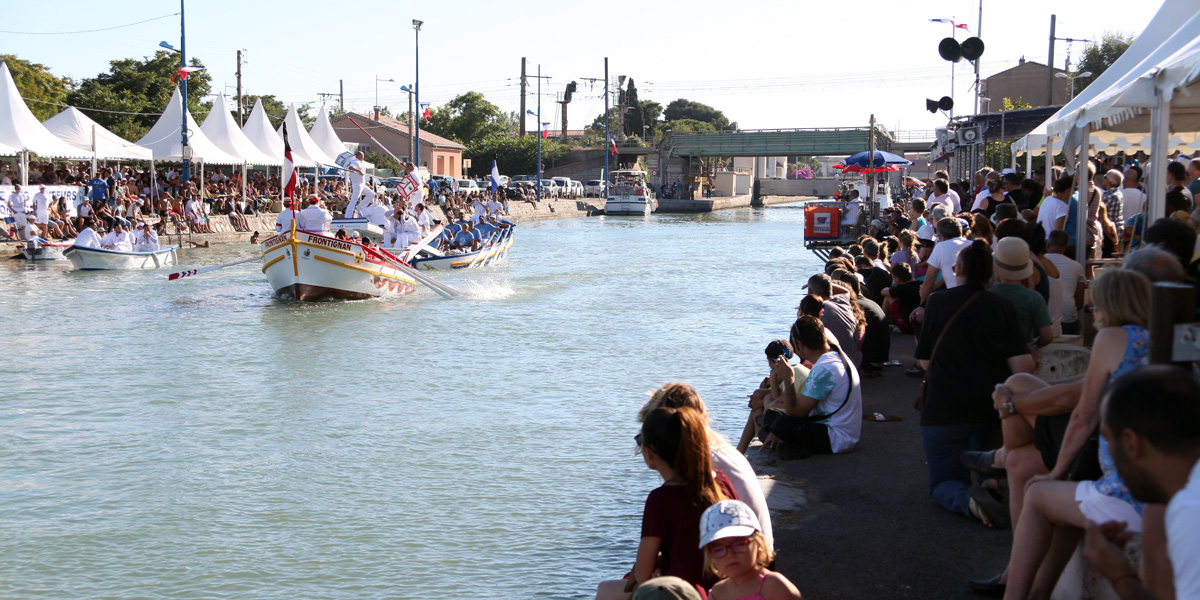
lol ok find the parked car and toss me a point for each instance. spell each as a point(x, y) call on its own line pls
point(594, 188)
point(578, 185)
point(565, 189)
point(524, 178)
point(550, 188)
point(468, 185)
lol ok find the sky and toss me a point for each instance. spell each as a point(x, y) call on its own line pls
point(766, 64)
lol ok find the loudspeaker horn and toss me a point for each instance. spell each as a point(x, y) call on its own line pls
point(950, 50)
point(946, 103)
point(931, 105)
point(972, 49)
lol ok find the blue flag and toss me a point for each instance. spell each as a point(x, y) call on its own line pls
point(495, 176)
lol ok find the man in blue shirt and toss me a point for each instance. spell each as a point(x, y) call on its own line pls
point(98, 189)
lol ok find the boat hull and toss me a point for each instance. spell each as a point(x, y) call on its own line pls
point(465, 260)
point(48, 251)
point(310, 267)
point(100, 259)
point(629, 205)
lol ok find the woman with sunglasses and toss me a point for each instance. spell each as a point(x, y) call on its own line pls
point(674, 442)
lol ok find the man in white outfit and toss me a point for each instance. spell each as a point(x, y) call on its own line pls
point(376, 213)
point(18, 207)
point(88, 237)
point(357, 174)
point(145, 240)
point(41, 211)
point(118, 239)
point(424, 221)
point(314, 218)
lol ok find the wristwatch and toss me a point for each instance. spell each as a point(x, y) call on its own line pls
point(1009, 408)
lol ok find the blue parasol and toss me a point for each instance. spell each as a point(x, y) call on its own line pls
point(881, 159)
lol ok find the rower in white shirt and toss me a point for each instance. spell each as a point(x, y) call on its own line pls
point(118, 239)
point(88, 237)
point(284, 221)
point(314, 218)
point(424, 221)
point(376, 213)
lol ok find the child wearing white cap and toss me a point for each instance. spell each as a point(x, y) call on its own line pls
point(735, 550)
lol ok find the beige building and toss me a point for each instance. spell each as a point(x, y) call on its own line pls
point(438, 154)
point(1025, 82)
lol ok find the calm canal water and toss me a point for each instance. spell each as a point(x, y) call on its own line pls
point(201, 439)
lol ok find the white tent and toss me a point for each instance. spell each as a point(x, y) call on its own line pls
point(220, 128)
point(1171, 15)
point(164, 138)
point(258, 130)
point(327, 140)
point(21, 131)
point(302, 144)
point(80, 131)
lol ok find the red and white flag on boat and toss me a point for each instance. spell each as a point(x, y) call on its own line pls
point(184, 72)
point(957, 25)
point(289, 167)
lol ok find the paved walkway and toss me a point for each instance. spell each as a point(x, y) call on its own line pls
point(862, 525)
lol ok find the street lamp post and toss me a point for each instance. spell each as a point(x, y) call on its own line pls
point(377, 80)
point(183, 129)
point(1071, 78)
point(538, 169)
point(417, 91)
point(412, 117)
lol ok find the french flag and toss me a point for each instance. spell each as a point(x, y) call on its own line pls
point(426, 113)
point(289, 167)
point(545, 131)
point(612, 145)
point(184, 72)
point(958, 25)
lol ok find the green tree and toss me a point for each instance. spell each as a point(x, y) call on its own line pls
point(682, 109)
point(467, 119)
point(139, 86)
point(382, 161)
point(651, 113)
point(688, 126)
point(514, 155)
point(634, 119)
point(1099, 56)
point(37, 85)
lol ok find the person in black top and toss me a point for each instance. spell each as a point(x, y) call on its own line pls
point(1176, 176)
point(902, 298)
point(979, 349)
point(877, 339)
point(877, 279)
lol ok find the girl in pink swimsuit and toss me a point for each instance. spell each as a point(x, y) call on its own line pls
point(734, 549)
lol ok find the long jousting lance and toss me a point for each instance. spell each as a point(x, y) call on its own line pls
point(375, 140)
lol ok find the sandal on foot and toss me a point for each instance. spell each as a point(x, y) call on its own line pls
point(989, 509)
point(981, 462)
point(991, 588)
point(880, 417)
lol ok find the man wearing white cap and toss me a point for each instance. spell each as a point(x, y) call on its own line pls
point(41, 211)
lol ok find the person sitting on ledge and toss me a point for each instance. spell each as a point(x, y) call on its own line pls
point(826, 416)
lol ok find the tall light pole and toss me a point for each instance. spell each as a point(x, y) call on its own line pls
point(377, 80)
point(183, 129)
point(417, 91)
point(412, 117)
point(1071, 78)
point(538, 115)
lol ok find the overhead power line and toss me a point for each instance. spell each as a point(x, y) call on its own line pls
point(87, 30)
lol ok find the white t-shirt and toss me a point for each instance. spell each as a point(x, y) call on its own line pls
point(1183, 536)
point(980, 197)
point(315, 219)
point(1052, 210)
point(284, 221)
point(829, 383)
point(1133, 201)
point(88, 238)
point(1070, 273)
point(355, 176)
point(945, 255)
point(853, 208)
point(745, 482)
point(41, 203)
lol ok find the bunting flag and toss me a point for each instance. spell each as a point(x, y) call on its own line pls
point(426, 113)
point(289, 167)
point(495, 175)
point(612, 145)
point(184, 72)
point(958, 25)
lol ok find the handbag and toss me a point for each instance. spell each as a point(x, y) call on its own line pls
point(1086, 466)
point(938, 342)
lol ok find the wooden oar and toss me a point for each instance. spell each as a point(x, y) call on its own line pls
point(201, 270)
point(502, 245)
point(442, 289)
point(483, 251)
point(424, 245)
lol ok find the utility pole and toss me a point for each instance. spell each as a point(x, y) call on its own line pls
point(1050, 67)
point(606, 135)
point(241, 121)
point(342, 95)
point(522, 133)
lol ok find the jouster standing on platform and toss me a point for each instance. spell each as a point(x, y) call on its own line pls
point(314, 218)
point(357, 174)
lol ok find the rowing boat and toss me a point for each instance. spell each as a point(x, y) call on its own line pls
point(87, 258)
point(308, 267)
point(35, 250)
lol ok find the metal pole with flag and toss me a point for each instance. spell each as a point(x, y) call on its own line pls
point(287, 178)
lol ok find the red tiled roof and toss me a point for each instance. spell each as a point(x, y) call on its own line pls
point(398, 127)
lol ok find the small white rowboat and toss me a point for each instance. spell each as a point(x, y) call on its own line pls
point(100, 259)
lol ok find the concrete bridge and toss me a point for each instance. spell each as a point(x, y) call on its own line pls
point(774, 142)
